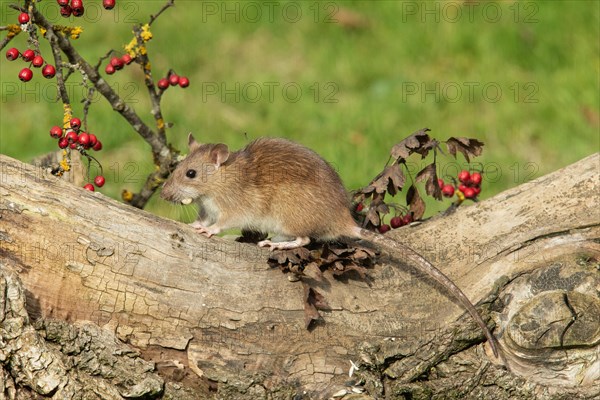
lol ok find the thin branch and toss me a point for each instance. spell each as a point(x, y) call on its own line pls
point(87, 102)
point(155, 96)
point(7, 40)
point(170, 3)
point(60, 81)
point(104, 57)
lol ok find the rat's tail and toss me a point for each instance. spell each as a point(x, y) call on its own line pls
point(412, 258)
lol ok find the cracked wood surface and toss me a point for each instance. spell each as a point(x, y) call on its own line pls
point(215, 305)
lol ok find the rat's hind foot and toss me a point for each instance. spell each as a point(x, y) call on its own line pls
point(293, 244)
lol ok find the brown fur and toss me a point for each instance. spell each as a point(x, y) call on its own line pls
point(270, 179)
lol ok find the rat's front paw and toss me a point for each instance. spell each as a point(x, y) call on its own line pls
point(208, 231)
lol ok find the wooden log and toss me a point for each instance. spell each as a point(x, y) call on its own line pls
point(214, 306)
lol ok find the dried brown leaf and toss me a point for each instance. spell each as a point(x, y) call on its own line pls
point(370, 252)
point(313, 268)
point(311, 314)
point(319, 301)
point(362, 272)
point(390, 180)
point(466, 146)
point(429, 175)
point(383, 208)
point(413, 144)
point(338, 265)
point(372, 217)
point(415, 203)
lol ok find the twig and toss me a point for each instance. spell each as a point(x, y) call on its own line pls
point(104, 57)
point(155, 97)
point(170, 3)
point(60, 80)
point(87, 102)
point(6, 40)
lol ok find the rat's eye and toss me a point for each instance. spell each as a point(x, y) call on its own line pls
point(191, 173)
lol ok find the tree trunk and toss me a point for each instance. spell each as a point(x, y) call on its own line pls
point(204, 318)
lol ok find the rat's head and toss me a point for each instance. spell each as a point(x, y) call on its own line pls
point(198, 175)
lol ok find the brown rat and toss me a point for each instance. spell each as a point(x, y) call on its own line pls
point(278, 186)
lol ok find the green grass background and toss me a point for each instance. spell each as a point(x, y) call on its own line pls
point(543, 56)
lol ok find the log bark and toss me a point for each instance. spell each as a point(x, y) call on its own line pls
point(209, 318)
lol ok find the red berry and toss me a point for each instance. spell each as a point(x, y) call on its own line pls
point(49, 71)
point(384, 228)
point(12, 54)
point(163, 83)
point(174, 79)
point(28, 55)
point(440, 182)
point(476, 178)
point(469, 193)
point(89, 187)
point(184, 81)
point(116, 62)
point(464, 176)
point(407, 219)
point(25, 75)
point(63, 3)
point(93, 140)
point(84, 139)
point(396, 222)
point(99, 181)
point(23, 18)
point(108, 4)
point(78, 12)
point(110, 69)
point(56, 132)
point(448, 190)
point(72, 136)
point(73, 146)
point(66, 11)
point(97, 146)
point(38, 61)
point(77, 7)
point(462, 188)
point(63, 142)
point(359, 207)
point(126, 59)
point(75, 123)
point(477, 190)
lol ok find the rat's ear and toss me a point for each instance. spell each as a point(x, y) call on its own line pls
point(192, 143)
point(219, 154)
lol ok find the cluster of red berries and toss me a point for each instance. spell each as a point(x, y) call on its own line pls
point(73, 138)
point(173, 80)
point(37, 61)
point(117, 63)
point(396, 222)
point(469, 186)
point(75, 7)
point(68, 7)
point(98, 181)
